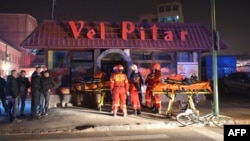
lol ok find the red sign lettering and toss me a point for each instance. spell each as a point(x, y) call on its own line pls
point(73, 26)
point(126, 29)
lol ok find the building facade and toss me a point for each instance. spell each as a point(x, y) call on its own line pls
point(168, 12)
point(9, 58)
point(85, 48)
point(14, 28)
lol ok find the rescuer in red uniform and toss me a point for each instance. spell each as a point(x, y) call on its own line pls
point(156, 80)
point(115, 70)
point(135, 82)
point(152, 79)
point(119, 87)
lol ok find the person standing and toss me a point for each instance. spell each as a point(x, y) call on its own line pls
point(47, 83)
point(149, 83)
point(43, 69)
point(119, 87)
point(23, 84)
point(35, 92)
point(135, 83)
point(157, 80)
point(152, 79)
point(2, 93)
point(13, 94)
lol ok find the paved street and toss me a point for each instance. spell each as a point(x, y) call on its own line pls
point(87, 120)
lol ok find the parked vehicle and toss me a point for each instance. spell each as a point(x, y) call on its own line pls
point(226, 64)
point(237, 82)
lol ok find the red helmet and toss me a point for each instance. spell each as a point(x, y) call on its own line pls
point(156, 66)
point(120, 68)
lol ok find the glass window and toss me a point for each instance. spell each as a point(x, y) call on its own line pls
point(175, 18)
point(169, 19)
point(168, 8)
point(175, 7)
point(162, 56)
point(145, 65)
point(165, 68)
point(161, 9)
point(185, 57)
point(141, 56)
point(60, 59)
point(82, 56)
point(161, 20)
point(154, 20)
point(1, 56)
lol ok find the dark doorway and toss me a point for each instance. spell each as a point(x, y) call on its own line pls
point(107, 66)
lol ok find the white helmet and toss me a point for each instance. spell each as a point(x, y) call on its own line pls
point(134, 68)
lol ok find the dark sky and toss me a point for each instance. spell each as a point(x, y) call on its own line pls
point(232, 16)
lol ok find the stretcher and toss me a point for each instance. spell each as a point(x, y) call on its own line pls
point(172, 89)
point(97, 87)
point(99, 97)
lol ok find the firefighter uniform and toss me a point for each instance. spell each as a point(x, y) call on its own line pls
point(149, 96)
point(135, 82)
point(151, 80)
point(157, 97)
point(119, 87)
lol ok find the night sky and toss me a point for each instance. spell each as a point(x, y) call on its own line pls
point(232, 16)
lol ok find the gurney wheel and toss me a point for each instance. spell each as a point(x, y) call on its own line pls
point(99, 108)
point(169, 115)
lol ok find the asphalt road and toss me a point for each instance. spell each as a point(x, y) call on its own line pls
point(171, 134)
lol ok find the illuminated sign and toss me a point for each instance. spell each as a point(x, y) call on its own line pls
point(126, 29)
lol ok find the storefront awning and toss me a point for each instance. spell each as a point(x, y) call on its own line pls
point(79, 35)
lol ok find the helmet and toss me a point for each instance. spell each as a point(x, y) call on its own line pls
point(134, 68)
point(120, 68)
point(156, 66)
point(115, 68)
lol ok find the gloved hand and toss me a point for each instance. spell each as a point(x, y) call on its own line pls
point(127, 93)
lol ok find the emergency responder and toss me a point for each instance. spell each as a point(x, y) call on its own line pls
point(149, 84)
point(115, 70)
point(153, 78)
point(119, 87)
point(135, 82)
point(156, 80)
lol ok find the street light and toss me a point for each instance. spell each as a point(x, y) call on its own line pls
point(215, 46)
point(6, 64)
point(53, 8)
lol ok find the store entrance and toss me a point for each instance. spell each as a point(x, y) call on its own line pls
point(110, 60)
point(107, 66)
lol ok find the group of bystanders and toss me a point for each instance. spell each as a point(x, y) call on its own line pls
point(14, 90)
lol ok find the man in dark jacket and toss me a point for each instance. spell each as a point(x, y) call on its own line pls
point(35, 92)
point(47, 83)
point(23, 85)
point(2, 93)
point(13, 94)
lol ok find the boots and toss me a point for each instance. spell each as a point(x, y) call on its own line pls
point(139, 111)
point(124, 112)
point(45, 111)
point(134, 112)
point(115, 114)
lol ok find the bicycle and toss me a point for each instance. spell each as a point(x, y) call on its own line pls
point(191, 116)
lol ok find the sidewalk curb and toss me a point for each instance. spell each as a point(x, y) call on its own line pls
point(128, 127)
point(125, 127)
